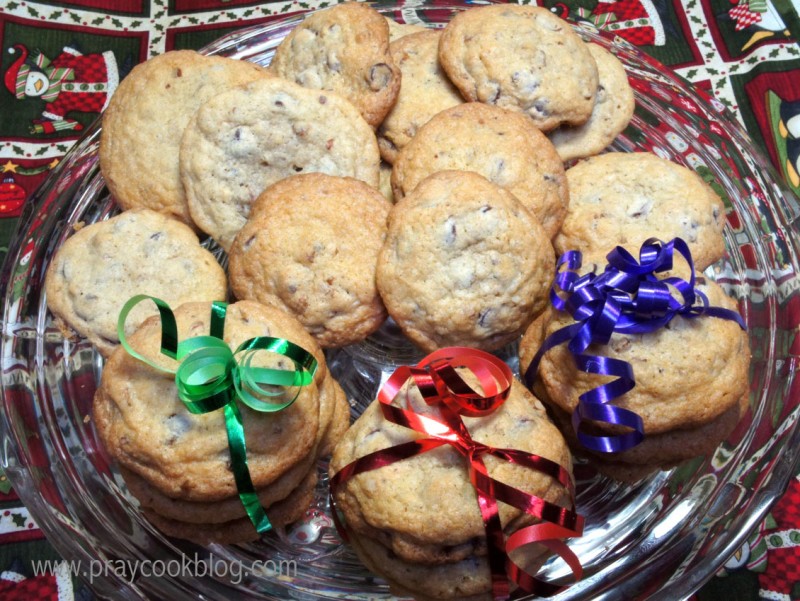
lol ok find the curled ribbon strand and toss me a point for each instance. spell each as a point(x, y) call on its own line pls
point(441, 386)
point(627, 298)
point(211, 376)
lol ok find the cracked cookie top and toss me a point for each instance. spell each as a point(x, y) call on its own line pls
point(622, 198)
point(464, 263)
point(522, 58)
point(343, 49)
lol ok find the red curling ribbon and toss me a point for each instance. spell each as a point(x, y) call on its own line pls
point(440, 385)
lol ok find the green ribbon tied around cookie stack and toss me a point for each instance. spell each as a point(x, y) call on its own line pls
point(211, 376)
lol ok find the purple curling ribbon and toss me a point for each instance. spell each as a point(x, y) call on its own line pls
point(627, 298)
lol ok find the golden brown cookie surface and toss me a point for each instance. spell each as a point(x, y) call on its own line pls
point(425, 91)
point(344, 49)
point(682, 379)
point(613, 108)
point(424, 508)
point(464, 263)
point(311, 247)
point(104, 264)
point(621, 198)
point(522, 58)
point(501, 145)
point(241, 141)
point(239, 530)
point(145, 118)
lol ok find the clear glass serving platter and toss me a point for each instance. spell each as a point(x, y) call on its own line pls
point(660, 538)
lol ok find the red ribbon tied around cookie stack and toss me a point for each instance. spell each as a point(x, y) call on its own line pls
point(441, 386)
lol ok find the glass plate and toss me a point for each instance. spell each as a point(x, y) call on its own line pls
point(661, 538)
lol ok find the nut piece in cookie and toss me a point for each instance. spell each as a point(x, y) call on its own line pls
point(613, 108)
point(501, 145)
point(245, 139)
point(343, 49)
point(464, 263)
point(622, 199)
point(425, 91)
point(523, 58)
point(311, 248)
point(145, 118)
point(102, 265)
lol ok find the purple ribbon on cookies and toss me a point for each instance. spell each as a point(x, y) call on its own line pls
point(627, 298)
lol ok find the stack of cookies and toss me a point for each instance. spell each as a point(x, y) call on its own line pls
point(692, 375)
point(417, 522)
point(692, 386)
point(178, 465)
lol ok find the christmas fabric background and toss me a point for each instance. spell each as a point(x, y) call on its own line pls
point(62, 61)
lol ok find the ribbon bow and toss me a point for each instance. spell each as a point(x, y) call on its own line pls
point(626, 298)
point(441, 386)
point(211, 376)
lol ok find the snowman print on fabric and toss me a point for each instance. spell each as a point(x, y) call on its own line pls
point(72, 82)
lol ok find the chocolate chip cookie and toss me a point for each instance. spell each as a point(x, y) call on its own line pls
point(343, 49)
point(523, 58)
point(464, 263)
point(102, 265)
point(148, 430)
point(245, 139)
point(613, 108)
point(311, 247)
point(687, 373)
point(425, 91)
point(424, 508)
point(623, 199)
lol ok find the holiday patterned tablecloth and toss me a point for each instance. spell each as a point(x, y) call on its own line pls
point(61, 62)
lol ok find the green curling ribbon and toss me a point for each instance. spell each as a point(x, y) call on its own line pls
point(211, 376)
